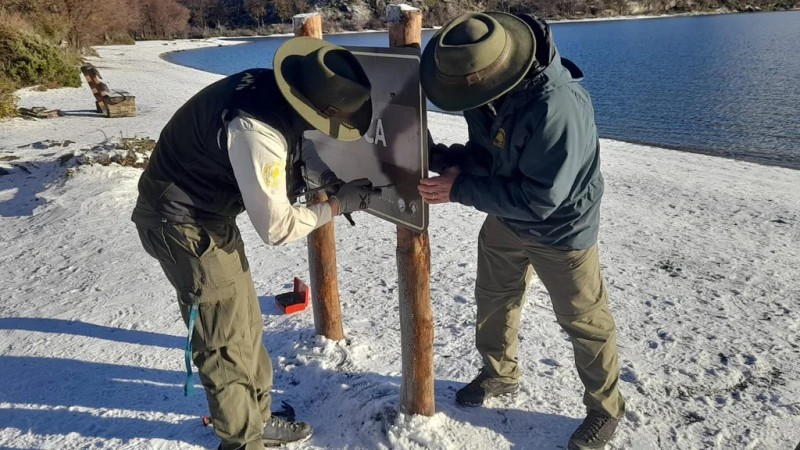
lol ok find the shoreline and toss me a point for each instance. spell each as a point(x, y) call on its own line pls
point(154, 50)
point(698, 151)
point(555, 21)
point(717, 152)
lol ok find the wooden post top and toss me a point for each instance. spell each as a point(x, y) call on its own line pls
point(304, 16)
point(308, 24)
point(405, 25)
point(395, 13)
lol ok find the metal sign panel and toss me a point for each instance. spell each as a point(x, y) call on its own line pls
point(394, 151)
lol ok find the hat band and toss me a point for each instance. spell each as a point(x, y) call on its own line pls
point(335, 113)
point(477, 76)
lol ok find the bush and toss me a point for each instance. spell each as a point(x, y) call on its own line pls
point(8, 101)
point(55, 27)
point(120, 39)
point(28, 59)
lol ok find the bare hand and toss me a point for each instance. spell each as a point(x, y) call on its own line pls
point(437, 190)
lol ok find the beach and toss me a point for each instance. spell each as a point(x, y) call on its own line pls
point(699, 255)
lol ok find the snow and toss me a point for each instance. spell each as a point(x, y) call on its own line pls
point(700, 255)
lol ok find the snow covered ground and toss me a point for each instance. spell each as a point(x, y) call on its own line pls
point(701, 255)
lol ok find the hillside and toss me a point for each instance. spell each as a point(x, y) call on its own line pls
point(225, 15)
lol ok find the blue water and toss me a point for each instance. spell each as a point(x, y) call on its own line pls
point(725, 85)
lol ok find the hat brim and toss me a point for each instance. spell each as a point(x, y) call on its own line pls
point(286, 65)
point(459, 98)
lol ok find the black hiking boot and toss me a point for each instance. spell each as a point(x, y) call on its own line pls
point(483, 387)
point(278, 431)
point(594, 433)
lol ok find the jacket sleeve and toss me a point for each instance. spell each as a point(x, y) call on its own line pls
point(316, 171)
point(258, 155)
point(467, 157)
point(549, 164)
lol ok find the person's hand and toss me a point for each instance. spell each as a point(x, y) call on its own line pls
point(329, 179)
point(442, 157)
point(437, 158)
point(437, 190)
point(355, 195)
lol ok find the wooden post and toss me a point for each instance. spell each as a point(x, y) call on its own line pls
point(413, 265)
point(309, 24)
point(322, 242)
point(405, 25)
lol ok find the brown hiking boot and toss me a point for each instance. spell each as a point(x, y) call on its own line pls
point(594, 433)
point(483, 387)
point(278, 431)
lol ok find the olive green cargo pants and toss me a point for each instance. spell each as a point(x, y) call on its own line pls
point(572, 277)
point(207, 266)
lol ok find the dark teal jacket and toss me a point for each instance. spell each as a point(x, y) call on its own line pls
point(544, 177)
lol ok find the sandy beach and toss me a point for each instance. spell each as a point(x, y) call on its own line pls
point(700, 255)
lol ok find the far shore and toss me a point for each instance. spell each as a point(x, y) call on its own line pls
point(245, 38)
point(225, 41)
point(145, 53)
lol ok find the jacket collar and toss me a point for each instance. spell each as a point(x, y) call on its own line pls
point(559, 72)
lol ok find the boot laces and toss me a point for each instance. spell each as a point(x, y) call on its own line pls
point(481, 378)
point(591, 426)
point(280, 423)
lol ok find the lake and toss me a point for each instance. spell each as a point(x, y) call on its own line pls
point(726, 85)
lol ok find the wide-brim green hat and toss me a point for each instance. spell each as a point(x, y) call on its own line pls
point(326, 85)
point(476, 58)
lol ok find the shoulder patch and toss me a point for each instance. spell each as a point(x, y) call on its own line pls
point(500, 138)
point(272, 174)
point(245, 81)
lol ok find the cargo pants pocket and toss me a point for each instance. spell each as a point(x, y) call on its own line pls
point(222, 309)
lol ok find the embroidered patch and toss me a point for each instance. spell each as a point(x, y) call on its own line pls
point(500, 138)
point(272, 174)
point(245, 81)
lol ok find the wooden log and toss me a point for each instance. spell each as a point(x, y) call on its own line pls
point(39, 112)
point(322, 241)
point(413, 265)
point(120, 104)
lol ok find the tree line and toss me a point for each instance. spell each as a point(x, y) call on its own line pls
point(80, 23)
point(41, 41)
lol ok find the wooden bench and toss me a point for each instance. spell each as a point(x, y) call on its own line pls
point(112, 103)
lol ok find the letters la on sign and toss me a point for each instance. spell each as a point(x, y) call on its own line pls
point(394, 151)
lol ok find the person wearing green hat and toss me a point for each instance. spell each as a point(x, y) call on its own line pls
point(532, 163)
point(236, 146)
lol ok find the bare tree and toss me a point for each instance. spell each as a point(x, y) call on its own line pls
point(618, 6)
point(200, 11)
point(163, 18)
point(91, 22)
point(286, 9)
point(257, 10)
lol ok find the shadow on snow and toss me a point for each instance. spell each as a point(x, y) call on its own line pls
point(347, 406)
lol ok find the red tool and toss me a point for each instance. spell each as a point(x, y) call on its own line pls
point(295, 301)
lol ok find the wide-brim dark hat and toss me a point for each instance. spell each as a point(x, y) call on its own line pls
point(476, 58)
point(326, 85)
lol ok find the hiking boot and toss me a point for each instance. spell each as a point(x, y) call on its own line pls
point(278, 431)
point(594, 433)
point(483, 387)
